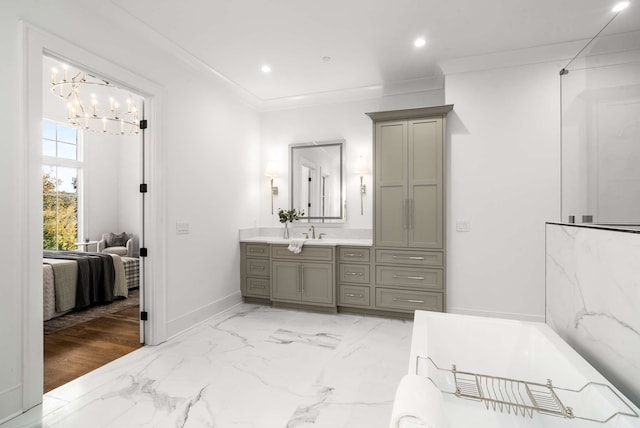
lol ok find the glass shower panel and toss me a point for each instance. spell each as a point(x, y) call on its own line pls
point(600, 125)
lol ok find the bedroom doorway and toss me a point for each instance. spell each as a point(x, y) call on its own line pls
point(37, 43)
point(93, 164)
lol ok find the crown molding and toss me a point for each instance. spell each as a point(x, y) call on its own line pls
point(558, 52)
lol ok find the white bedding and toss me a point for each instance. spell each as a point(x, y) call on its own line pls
point(51, 309)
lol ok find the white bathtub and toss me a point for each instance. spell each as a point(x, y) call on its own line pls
point(530, 352)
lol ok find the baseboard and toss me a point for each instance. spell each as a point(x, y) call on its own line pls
point(303, 307)
point(406, 316)
point(10, 403)
point(185, 322)
point(495, 314)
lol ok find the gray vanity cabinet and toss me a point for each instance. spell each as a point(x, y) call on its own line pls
point(255, 270)
point(306, 278)
point(302, 282)
point(354, 277)
point(409, 218)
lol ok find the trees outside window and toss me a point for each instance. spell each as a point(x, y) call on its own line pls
point(60, 173)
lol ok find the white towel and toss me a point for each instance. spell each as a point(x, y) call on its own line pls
point(295, 246)
point(418, 403)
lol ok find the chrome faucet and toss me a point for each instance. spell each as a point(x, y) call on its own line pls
point(313, 232)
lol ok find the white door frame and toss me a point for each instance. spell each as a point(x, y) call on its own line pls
point(34, 44)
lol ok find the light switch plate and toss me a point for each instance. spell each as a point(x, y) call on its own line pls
point(182, 228)
point(463, 225)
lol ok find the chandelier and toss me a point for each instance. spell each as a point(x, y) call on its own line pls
point(93, 104)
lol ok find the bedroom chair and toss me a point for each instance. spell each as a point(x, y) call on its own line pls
point(121, 244)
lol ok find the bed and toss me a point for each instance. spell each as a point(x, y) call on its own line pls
point(73, 280)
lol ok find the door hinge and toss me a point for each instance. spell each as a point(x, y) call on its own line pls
point(143, 124)
point(143, 252)
point(143, 188)
point(144, 316)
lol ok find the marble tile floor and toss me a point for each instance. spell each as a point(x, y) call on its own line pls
point(253, 366)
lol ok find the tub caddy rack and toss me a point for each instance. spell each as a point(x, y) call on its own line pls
point(595, 402)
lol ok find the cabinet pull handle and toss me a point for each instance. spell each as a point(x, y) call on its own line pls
point(353, 254)
point(410, 213)
point(408, 258)
point(254, 250)
point(354, 273)
point(354, 295)
point(395, 299)
point(417, 278)
point(257, 267)
point(301, 279)
point(257, 286)
point(405, 222)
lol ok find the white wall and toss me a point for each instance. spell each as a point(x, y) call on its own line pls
point(211, 183)
point(503, 178)
point(112, 170)
point(346, 121)
point(129, 201)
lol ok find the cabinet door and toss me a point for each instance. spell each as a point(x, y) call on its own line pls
point(285, 280)
point(425, 183)
point(317, 283)
point(391, 194)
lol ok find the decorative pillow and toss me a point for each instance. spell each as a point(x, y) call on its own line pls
point(117, 240)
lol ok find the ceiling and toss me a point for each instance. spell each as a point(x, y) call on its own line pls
point(369, 42)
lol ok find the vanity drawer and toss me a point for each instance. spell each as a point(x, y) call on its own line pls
point(416, 258)
point(354, 254)
point(355, 273)
point(257, 287)
point(410, 277)
point(317, 253)
point(257, 250)
point(257, 267)
point(354, 295)
point(405, 300)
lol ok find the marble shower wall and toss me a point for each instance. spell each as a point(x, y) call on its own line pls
point(593, 298)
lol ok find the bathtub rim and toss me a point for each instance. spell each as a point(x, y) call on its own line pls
point(420, 339)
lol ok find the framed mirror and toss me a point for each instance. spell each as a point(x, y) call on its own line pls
point(317, 180)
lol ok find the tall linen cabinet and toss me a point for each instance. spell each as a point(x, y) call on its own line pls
point(409, 209)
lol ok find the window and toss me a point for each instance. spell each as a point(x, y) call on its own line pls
point(61, 171)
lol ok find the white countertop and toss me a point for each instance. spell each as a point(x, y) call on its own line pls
point(331, 242)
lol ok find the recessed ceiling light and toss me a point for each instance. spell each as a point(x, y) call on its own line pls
point(266, 69)
point(326, 58)
point(419, 42)
point(620, 6)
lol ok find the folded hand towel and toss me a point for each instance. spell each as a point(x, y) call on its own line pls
point(295, 246)
point(418, 403)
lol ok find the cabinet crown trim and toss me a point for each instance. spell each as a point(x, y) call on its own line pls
point(412, 113)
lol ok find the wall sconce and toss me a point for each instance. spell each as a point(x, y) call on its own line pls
point(272, 172)
point(362, 169)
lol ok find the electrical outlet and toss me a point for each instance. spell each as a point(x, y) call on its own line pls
point(463, 225)
point(182, 228)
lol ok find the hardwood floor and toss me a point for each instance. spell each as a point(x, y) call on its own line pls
point(77, 350)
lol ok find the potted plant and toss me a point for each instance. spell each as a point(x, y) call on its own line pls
point(289, 216)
